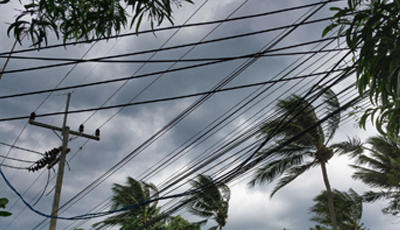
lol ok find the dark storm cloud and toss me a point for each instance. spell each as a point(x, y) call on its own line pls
point(125, 133)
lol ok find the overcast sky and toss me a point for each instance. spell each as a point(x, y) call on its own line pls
point(125, 133)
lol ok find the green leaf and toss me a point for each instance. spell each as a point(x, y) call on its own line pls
point(328, 29)
point(3, 202)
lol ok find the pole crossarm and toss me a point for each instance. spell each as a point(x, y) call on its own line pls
point(32, 122)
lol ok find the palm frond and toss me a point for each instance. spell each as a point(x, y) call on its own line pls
point(353, 147)
point(372, 196)
point(292, 174)
point(274, 169)
point(370, 177)
point(383, 144)
point(332, 104)
point(301, 113)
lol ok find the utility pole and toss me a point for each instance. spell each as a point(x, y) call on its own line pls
point(65, 132)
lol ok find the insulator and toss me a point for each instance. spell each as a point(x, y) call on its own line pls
point(32, 117)
point(97, 133)
point(81, 128)
point(49, 156)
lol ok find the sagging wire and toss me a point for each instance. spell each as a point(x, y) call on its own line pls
point(91, 215)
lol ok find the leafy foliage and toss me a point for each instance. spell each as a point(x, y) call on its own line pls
point(348, 208)
point(381, 169)
point(212, 201)
point(86, 19)
point(3, 202)
point(134, 192)
point(373, 25)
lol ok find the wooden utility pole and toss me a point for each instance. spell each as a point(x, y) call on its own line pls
point(65, 132)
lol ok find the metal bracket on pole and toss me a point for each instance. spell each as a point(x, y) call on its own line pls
point(55, 128)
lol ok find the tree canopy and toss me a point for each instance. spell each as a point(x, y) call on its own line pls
point(86, 19)
point(372, 29)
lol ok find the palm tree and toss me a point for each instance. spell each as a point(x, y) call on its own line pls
point(348, 208)
point(306, 152)
point(212, 201)
point(132, 193)
point(381, 169)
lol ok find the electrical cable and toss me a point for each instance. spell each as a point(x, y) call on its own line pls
point(13, 167)
point(205, 59)
point(169, 48)
point(255, 128)
point(270, 46)
point(153, 73)
point(173, 27)
point(206, 93)
point(20, 148)
point(90, 215)
point(140, 68)
point(16, 159)
point(174, 155)
point(216, 165)
point(259, 159)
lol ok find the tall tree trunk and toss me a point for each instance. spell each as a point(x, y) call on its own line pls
point(330, 198)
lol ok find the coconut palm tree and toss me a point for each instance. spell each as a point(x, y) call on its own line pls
point(308, 151)
point(348, 209)
point(381, 169)
point(212, 201)
point(132, 193)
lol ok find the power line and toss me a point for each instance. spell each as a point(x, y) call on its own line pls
point(168, 98)
point(16, 159)
point(24, 149)
point(175, 47)
point(154, 73)
point(174, 27)
point(241, 69)
point(227, 58)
